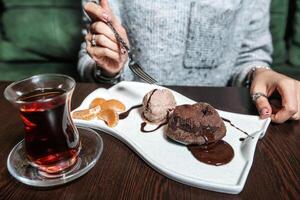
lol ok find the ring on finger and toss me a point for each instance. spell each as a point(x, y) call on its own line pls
point(257, 95)
point(93, 41)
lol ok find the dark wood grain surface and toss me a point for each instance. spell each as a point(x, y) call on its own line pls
point(121, 174)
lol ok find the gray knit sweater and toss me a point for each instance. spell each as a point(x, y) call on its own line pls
point(193, 42)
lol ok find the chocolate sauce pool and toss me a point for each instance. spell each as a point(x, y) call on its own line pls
point(214, 153)
point(219, 153)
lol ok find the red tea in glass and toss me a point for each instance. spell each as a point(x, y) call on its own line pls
point(51, 140)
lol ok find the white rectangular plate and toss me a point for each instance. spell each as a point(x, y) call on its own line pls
point(174, 160)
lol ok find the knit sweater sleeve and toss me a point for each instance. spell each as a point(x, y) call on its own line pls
point(256, 48)
point(86, 64)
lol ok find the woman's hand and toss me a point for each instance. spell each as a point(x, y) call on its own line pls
point(267, 82)
point(107, 52)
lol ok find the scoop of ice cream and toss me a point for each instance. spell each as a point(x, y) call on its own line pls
point(156, 105)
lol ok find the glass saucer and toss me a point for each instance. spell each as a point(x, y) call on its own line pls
point(19, 167)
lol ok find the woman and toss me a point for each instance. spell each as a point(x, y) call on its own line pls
point(184, 42)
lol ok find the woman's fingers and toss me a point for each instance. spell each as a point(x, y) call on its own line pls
point(102, 12)
point(288, 92)
point(110, 61)
point(101, 15)
point(103, 41)
point(98, 52)
point(104, 4)
point(263, 106)
point(101, 28)
point(296, 116)
point(288, 105)
point(96, 12)
point(262, 103)
point(106, 52)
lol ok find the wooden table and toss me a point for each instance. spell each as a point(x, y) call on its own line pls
point(121, 174)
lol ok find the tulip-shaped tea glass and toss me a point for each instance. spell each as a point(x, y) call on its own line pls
point(52, 142)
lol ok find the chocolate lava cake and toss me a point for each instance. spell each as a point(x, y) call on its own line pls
point(195, 124)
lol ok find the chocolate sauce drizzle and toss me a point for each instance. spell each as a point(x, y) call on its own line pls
point(125, 114)
point(231, 124)
point(143, 125)
point(217, 153)
point(147, 104)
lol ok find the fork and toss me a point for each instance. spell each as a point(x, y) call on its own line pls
point(134, 66)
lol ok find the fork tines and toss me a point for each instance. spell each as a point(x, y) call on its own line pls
point(135, 67)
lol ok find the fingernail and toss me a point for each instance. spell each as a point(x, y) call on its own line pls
point(264, 112)
point(105, 17)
